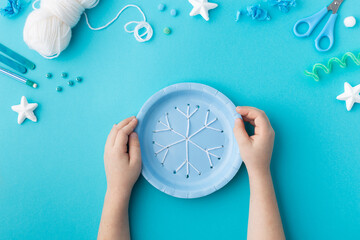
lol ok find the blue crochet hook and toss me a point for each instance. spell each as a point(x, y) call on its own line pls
point(14, 65)
point(314, 20)
point(17, 57)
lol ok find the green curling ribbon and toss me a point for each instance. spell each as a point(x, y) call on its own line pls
point(327, 69)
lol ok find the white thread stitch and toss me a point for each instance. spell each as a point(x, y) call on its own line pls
point(187, 139)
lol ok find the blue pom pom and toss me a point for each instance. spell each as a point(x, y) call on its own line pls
point(13, 8)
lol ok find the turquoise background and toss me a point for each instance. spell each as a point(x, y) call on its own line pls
point(52, 179)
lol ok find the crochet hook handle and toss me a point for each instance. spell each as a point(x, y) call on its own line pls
point(14, 65)
point(17, 57)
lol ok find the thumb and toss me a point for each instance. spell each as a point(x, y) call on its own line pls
point(240, 133)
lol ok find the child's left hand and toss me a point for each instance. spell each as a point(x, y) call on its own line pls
point(122, 157)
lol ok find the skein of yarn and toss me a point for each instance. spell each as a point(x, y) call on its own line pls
point(48, 28)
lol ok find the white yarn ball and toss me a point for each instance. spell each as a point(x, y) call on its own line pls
point(350, 22)
point(48, 29)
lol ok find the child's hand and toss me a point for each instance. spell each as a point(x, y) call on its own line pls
point(255, 150)
point(122, 160)
point(122, 157)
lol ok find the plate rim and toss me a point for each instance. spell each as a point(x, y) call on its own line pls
point(236, 164)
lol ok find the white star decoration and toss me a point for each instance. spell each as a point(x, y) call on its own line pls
point(202, 7)
point(25, 110)
point(351, 95)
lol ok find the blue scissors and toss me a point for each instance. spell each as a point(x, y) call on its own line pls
point(314, 20)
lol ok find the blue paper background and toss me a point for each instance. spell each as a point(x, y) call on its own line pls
point(52, 180)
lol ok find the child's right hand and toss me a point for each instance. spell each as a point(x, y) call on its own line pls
point(255, 150)
point(122, 157)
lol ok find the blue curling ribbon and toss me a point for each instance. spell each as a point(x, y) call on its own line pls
point(13, 8)
point(283, 5)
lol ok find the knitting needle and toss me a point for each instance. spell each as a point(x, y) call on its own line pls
point(14, 65)
point(18, 78)
point(17, 57)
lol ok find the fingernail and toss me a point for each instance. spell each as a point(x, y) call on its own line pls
point(134, 119)
point(238, 108)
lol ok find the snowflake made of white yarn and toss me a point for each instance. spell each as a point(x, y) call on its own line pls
point(188, 140)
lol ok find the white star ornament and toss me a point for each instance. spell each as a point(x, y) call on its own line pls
point(202, 7)
point(25, 110)
point(350, 95)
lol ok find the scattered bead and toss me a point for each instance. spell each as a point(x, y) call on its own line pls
point(167, 31)
point(64, 75)
point(78, 79)
point(173, 12)
point(161, 7)
point(48, 75)
point(350, 22)
point(70, 83)
point(58, 89)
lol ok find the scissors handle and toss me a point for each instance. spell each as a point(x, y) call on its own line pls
point(327, 32)
point(312, 21)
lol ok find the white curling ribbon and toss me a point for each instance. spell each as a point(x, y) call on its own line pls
point(48, 28)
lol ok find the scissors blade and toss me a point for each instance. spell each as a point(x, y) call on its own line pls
point(334, 6)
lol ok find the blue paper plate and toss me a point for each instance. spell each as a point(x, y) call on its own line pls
point(187, 142)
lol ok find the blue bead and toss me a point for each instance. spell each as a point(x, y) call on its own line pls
point(173, 12)
point(167, 31)
point(161, 7)
point(49, 75)
point(59, 89)
point(64, 75)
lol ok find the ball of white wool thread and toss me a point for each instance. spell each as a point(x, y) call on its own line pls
point(48, 28)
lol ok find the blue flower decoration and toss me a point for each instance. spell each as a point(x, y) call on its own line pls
point(283, 5)
point(258, 13)
point(13, 8)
